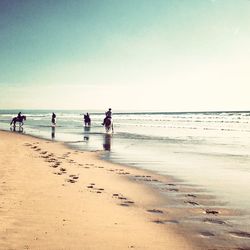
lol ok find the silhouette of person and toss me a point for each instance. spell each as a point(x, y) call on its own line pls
point(87, 120)
point(19, 115)
point(53, 119)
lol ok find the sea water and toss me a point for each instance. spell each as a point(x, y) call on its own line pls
point(208, 149)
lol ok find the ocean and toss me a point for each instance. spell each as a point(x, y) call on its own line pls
point(210, 150)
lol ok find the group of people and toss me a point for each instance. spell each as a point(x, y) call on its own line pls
point(87, 120)
point(108, 115)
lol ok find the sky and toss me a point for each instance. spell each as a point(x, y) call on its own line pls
point(157, 55)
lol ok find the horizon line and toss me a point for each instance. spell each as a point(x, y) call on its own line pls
point(119, 111)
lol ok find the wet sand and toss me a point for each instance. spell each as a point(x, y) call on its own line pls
point(53, 197)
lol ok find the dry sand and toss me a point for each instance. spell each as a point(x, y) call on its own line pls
point(52, 197)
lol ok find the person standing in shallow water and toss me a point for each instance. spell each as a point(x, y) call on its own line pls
point(87, 120)
point(53, 119)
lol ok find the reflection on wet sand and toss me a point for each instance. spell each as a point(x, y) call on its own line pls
point(53, 132)
point(107, 142)
point(19, 130)
point(86, 133)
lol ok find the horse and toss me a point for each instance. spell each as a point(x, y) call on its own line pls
point(19, 119)
point(87, 120)
point(108, 124)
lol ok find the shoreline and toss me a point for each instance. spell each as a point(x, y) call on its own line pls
point(140, 197)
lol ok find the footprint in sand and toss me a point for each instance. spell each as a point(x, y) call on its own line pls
point(74, 177)
point(51, 160)
point(129, 202)
point(58, 173)
point(209, 211)
point(170, 184)
point(206, 234)
point(214, 221)
point(158, 221)
point(123, 173)
point(124, 205)
point(155, 180)
point(191, 195)
point(63, 170)
point(155, 211)
point(192, 203)
point(122, 198)
point(147, 179)
point(71, 181)
point(57, 164)
point(240, 234)
point(97, 190)
point(173, 189)
point(119, 196)
point(125, 201)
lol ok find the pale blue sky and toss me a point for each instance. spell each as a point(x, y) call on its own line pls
point(171, 55)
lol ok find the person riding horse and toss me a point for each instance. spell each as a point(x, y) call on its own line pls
point(19, 118)
point(108, 114)
point(107, 122)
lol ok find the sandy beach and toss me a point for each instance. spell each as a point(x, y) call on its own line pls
point(56, 198)
point(124, 125)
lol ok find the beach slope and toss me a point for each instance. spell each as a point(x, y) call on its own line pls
point(53, 197)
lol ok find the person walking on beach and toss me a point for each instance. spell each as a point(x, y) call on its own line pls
point(53, 119)
point(108, 114)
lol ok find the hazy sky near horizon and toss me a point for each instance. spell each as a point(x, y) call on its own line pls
point(171, 55)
